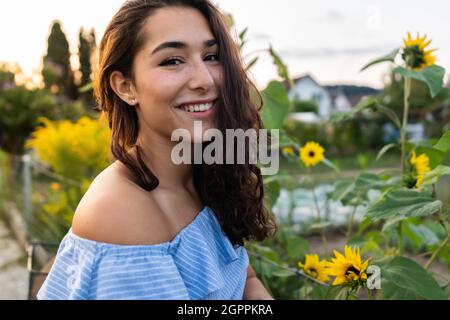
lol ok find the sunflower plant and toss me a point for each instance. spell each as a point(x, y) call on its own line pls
point(401, 214)
point(348, 269)
point(416, 62)
point(315, 268)
point(406, 204)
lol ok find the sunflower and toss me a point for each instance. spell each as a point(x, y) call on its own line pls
point(311, 154)
point(421, 165)
point(414, 53)
point(348, 268)
point(314, 267)
point(288, 151)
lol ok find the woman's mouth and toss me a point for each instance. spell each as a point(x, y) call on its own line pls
point(197, 107)
point(199, 110)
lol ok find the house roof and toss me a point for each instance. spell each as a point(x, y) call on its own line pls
point(353, 93)
point(299, 78)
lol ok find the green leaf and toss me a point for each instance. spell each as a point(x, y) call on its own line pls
point(434, 175)
point(242, 33)
point(272, 189)
point(265, 251)
point(296, 247)
point(408, 274)
point(392, 222)
point(385, 149)
point(281, 67)
point(276, 105)
point(403, 202)
point(283, 273)
point(331, 165)
point(389, 57)
point(251, 63)
point(426, 143)
point(426, 236)
point(342, 189)
point(338, 292)
point(432, 76)
point(320, 292)
point(364, 104)
point(444, 142)
point(367, 180)
point(408, 234)
point(390, 114)
point(392, 292)
point(363, 225)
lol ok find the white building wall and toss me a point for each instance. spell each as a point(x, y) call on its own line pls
point(307, 89)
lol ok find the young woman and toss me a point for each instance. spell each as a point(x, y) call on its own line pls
point(148, 228)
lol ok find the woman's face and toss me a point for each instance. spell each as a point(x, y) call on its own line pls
point(178, 65)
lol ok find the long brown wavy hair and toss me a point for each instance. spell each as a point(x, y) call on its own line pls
point(234, 192)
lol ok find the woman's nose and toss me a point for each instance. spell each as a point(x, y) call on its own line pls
point(201, 77)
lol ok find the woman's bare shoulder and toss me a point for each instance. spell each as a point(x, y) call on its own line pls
point(115, 210)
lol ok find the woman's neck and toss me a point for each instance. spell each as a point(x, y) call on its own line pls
point(157, 153)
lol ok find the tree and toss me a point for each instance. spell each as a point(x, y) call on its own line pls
point(7, 77)
point(86, 48)
point(57, 71)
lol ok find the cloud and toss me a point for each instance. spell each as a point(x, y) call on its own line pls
point(327, 52)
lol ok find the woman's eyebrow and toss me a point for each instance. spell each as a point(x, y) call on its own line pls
point(182, 45)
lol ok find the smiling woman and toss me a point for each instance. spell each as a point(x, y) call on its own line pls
point(148, 228)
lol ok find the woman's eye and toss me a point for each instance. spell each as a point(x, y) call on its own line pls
point(171, 62)
point(176, 61)
point(215, 56)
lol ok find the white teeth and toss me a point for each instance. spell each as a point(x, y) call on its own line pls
point(198, 107)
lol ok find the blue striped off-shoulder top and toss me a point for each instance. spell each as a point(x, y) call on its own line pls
point(199, 263)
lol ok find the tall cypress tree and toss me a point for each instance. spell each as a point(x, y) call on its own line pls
point(86, 48)
point(57, 71)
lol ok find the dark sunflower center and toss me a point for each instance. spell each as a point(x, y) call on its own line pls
point(351, 270)
point(410, 180)
point(414, 56)
point(311, 154)
point(313, 272)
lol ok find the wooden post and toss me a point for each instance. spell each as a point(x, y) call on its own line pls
point(26, 171)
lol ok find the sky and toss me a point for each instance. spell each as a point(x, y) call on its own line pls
point(330, 40)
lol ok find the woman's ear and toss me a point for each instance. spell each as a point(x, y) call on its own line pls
point(123, 87)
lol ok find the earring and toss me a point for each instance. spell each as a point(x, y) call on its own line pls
point(133, 102)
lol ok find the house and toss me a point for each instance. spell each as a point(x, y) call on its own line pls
point(306, 88)
point(330, 99)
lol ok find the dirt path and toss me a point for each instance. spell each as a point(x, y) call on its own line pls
point(13, 272)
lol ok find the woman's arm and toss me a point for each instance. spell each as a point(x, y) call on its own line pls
point(254, 289)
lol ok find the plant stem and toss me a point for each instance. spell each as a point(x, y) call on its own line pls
point(324, 239)
point(400, 237)
point(369, 294)
point(316, 203)
point(436, 252)
point(407, 93)
point(352, 217)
